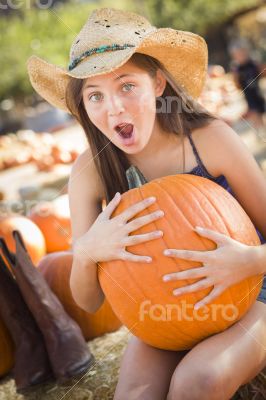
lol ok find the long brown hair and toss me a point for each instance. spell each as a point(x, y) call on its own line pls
point(110, 161)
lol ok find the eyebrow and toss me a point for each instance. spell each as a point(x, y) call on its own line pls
point(118, 77)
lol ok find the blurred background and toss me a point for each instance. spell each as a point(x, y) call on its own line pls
point(39, 143)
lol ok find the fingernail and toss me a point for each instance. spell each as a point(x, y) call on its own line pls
point(198, 228)
point(167, 252)
point(176, 292)
point(197, 306)
point(117, 194)
point(159, 213)
point(166, 278)
point(148, 259)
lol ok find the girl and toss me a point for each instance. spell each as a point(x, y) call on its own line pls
point(133, 88)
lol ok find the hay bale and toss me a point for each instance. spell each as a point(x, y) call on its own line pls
point(100, 381)
point(97, 384)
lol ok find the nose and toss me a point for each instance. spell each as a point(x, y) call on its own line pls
point(115, 106)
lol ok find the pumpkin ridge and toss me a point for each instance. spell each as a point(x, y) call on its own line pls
point(202, 326)
point(230, 234)
point(246, 280)
point(153, 300)
point(226, 292)
point(154, 183)
point(222, 217)
point(162, 238)
point(144, 244)
point(151, 185)
point(253, 287)
point(186, 183)
point(129, 272)
point(204, 193)
point(117, 284)
point(237, 206)
point(154, 225)
point(162, 188)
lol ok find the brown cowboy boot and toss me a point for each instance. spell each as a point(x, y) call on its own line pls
point(32, 366)
point(68, 352)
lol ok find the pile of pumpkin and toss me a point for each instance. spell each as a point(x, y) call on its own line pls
point(42, 149)
point(47, 235)
point(221, 97)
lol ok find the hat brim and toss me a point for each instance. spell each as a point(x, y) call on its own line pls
point(183, 54)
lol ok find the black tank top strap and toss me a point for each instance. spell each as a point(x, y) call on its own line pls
point(200, 163)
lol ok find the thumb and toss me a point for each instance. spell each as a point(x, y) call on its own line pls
point(111, 205)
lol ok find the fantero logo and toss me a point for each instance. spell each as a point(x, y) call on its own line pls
point(184, 311)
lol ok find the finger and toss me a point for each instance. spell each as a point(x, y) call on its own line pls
point(141, 221)
point(217, 290)
point(131, 211)
point(127, 256)
point(201, 256)
point(135, 239)
point(107, 212)
point(202, 284)
point(217, 237)
point(187, 274)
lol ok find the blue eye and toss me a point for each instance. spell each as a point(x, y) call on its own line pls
point(95, 94)
point(128, 85)
point(94, 99)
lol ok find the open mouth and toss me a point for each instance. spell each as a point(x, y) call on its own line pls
point(126, 133)
point(125, 130)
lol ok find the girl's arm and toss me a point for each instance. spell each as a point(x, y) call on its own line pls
point(235, 161)
point(246, 179)
point(232, 261)
point(84, 209)
point(231, 158)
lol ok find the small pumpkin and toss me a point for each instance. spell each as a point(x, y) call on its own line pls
point(53, 218)
point(136, 291)
point(56, 268)
point(7, 350)
point(32, 235)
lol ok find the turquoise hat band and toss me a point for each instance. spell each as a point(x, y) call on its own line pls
point(100, 49)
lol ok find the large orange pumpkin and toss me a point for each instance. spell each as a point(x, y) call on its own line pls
point(7, 349)
point(136, 292)
point(53, 218)
point(56, 268)
point(32, 235)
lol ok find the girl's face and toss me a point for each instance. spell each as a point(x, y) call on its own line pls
point(127, 95)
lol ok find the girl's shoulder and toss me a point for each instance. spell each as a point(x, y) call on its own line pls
point(207, 141)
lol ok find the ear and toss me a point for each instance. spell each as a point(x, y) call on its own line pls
point(160, 83)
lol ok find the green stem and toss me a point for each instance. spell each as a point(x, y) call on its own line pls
point(134, 177)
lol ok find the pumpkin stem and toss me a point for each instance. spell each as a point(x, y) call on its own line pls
point(134, 177)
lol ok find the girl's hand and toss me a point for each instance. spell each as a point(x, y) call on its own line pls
point(107, 237)
point(229, 263)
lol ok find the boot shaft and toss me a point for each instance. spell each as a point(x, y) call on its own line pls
point(68, 352)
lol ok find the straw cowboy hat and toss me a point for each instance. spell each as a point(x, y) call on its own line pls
point(107, 41)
